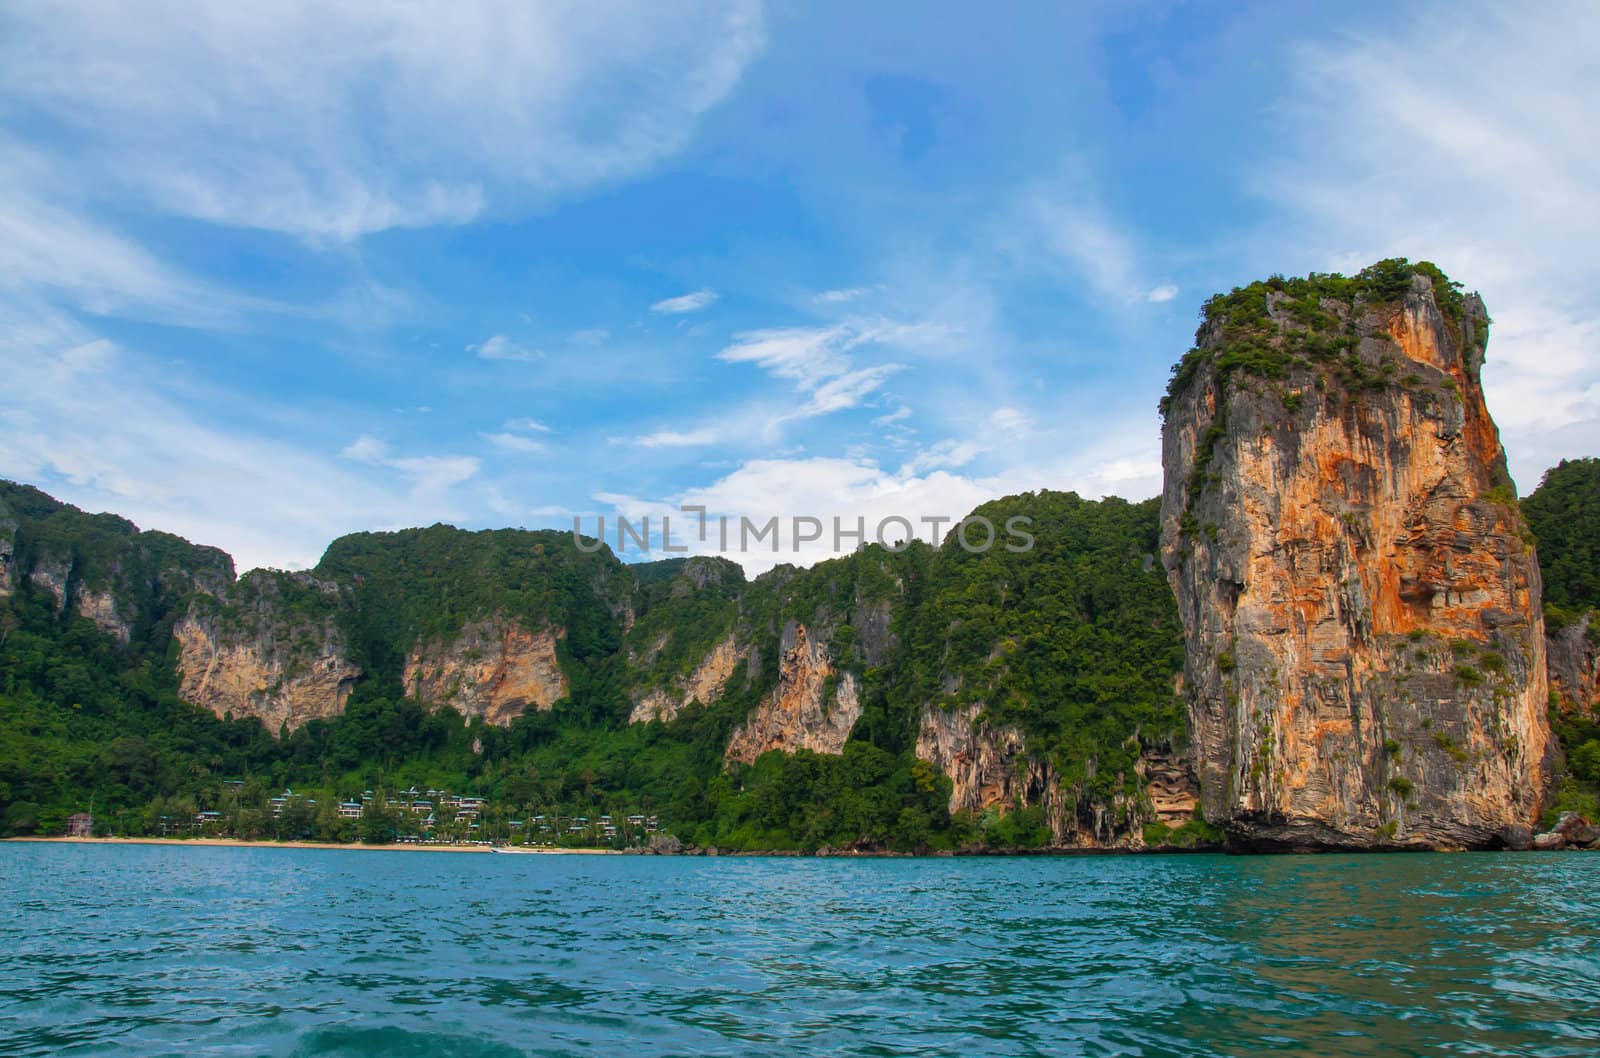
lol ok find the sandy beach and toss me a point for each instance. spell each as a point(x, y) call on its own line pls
point(235, 843)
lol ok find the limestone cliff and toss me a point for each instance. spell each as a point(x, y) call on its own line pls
point(53, 575)
point(272, 649)
point(1574, 658)
point(1365, 649)
point(494, 668)
point(704, 684)
point(101, 567)
point(813, 707)
point(990, 767)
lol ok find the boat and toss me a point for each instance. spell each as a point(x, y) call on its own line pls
point(515, 850)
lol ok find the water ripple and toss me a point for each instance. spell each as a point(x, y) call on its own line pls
point(143, 950)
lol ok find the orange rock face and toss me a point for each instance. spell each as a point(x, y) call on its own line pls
point(704, 685)
point(494, 668)
point(1362, 611)
point(813, 707)
point(274, 677)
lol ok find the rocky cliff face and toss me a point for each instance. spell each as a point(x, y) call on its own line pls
point(990, 766)
point(1574, 659)
point(1365, 647)
point(703, 685)
point(495, 669)
point(274, 651)
point(813, 707)
point(53, 575)
point(100, 566)
point(8, 550)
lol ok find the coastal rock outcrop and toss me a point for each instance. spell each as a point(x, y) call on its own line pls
point(494, 668)
point(987, 764)
point(1365, 648)
point(813, 707)
point(274, 650)
point(990, 767)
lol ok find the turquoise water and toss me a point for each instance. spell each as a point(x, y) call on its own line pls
point(145, 950)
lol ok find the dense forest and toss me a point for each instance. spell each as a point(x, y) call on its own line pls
point(1085, 624)
point(1564, 514)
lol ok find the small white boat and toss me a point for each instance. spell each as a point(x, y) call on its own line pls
point(514, 850)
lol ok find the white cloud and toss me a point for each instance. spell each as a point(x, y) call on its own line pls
point(340, 118)
point(366, 449)
point(515, 443)
point(525, 426)
point(106, 428)
point(820, 360)
point(900, 414)
point(1161, 294)
point(948, 453)
point(680, 439)
point(837, 297)
point(1079, 232)
point(429, 475)
point(858, 487)
point(52, 248)
point(1496, 186)
point(846, 391)
point(806, 354)
point(678, 306)
point(499, 347)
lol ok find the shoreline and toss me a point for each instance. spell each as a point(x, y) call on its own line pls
point(238, 843)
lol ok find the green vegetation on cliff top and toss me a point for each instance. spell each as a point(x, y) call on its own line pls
point(1272, 326)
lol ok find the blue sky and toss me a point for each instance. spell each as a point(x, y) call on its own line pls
point(271, 276)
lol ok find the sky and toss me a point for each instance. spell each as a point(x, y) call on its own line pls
point(274, 273)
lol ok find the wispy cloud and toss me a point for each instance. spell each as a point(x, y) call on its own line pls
point(107, 428)
point(1010, 420)
point(680, 438)
point(686, 303)
point(1161, 294)
point(334, 120)
point(52, 247)
point(839, 297)
point(819, 360)
point(515, 443)
point(525, 425)
point(429, 474)
point(499, 347)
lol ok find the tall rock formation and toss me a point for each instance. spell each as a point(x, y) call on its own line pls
point(813, 707)
point(1365, 647)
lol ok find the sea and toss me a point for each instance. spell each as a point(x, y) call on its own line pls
point(163, 950)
